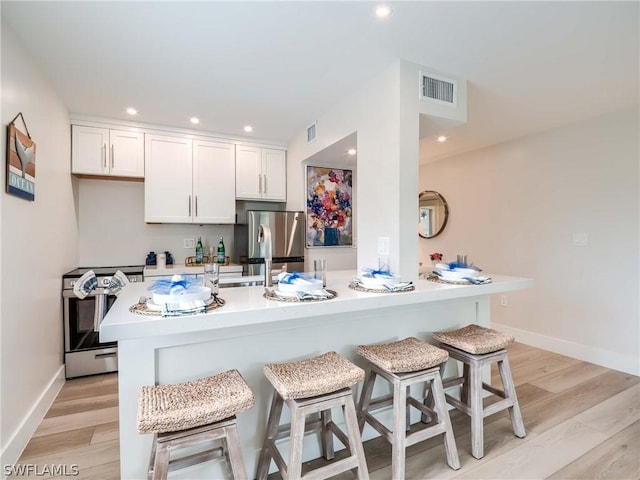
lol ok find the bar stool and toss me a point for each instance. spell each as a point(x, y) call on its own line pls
point(475, 347)
point(311, 386)
point(186, 414)
point(402, 364)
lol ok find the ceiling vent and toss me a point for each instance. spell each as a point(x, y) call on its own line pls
point(312, 132)
point(438, 89)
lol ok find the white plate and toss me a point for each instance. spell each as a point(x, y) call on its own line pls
point(458, 273)
point(151, 305)
point(191, 295)
point(379, 280)
point(309, 285)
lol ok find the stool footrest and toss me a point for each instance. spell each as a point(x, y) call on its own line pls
point(494, 390)
point(195, 458)
point(424, 434)
point(331, 469)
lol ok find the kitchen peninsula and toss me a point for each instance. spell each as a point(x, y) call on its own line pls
point(250, 331)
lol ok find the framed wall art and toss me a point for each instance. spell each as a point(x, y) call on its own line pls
point(21, 161)
point(329, 207)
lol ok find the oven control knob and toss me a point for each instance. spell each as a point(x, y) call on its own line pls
point(105, 282)
point(133, 279)
point(72, 283)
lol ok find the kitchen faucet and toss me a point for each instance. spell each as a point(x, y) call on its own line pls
point(264, 236)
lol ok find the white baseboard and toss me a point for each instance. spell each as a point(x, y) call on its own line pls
point(19, 440)
point(587, 353)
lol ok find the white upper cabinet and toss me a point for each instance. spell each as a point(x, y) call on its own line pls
point(213, 188)
point(187, 181)
point(107, 152)
point(261, 174)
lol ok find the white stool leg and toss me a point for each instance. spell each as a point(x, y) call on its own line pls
point(264, 460)
point(294, 467)
point(235, 453)
point(477, 419)
point(510, 392)
point(355, 440)
point(398, 449)
point(440, 407)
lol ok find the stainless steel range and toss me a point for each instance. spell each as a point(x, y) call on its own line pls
point(83, 352)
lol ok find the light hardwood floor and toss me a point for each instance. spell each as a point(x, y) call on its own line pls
point(582, 420)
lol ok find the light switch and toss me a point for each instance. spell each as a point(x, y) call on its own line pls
point(580, 239)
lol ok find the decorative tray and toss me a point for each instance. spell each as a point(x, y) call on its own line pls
point(273, 295)
point(142, 308)
point(360, 288)
point(436, 279)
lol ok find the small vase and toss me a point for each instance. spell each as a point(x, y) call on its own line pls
point(331, 236)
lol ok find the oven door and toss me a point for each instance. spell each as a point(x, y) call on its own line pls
point(82, 318)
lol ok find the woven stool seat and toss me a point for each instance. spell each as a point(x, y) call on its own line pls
point(475, 339)
point(313, 376)
point(170, 408)
point(408, 355)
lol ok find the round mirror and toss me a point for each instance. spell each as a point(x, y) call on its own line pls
point(432, 214)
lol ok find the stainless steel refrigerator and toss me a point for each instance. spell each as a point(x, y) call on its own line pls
point(287, 237)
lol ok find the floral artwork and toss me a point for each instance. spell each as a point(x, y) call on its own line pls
point(329, 207)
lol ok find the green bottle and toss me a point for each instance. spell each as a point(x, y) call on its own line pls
point(221, 256)
point(199, 251)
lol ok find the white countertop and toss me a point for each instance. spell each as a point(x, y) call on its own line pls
point(246, 306)
point(155, 271)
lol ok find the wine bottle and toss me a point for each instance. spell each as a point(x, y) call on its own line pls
point(221, 254)
point(199, 251)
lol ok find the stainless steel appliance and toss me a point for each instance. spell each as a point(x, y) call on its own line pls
point(287, 241)
point(83, 352)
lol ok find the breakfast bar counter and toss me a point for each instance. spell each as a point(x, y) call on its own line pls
point(251, 330)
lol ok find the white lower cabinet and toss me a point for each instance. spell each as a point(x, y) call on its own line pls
point(188, 181)
point(261, 173)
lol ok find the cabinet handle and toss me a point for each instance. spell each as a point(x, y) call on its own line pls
point(265, 183)
point(104, 155)
point(196, 205)
point(259, 183)
point(189, 205)
point(112, 156)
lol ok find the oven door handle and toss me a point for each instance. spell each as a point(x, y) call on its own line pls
point(99, 312)
point(92, 293)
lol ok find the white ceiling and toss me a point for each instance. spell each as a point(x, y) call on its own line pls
point(280, 65)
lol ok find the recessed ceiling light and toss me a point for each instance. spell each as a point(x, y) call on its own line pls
point(194, 120)
point(352, 151)
point(442, 139)
point(132, 111)
point(383, 11)
point(248, 128)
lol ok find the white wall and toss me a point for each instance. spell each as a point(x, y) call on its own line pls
point(514, 209)
point(385, 113)
point(38, 244)
point(113, 232)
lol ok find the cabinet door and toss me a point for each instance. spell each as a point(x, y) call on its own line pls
point(89, 150)
point(248, 173)
point(126, 153)
point(213, 185)
point(274, 175)
point(168, 173)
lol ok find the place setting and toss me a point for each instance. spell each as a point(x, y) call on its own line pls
point(458, 272)
point(380, 280)
point(179, 296)
point(302, 286)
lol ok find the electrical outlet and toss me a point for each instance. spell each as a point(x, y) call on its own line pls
point(189, 243)
point(504, 301)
